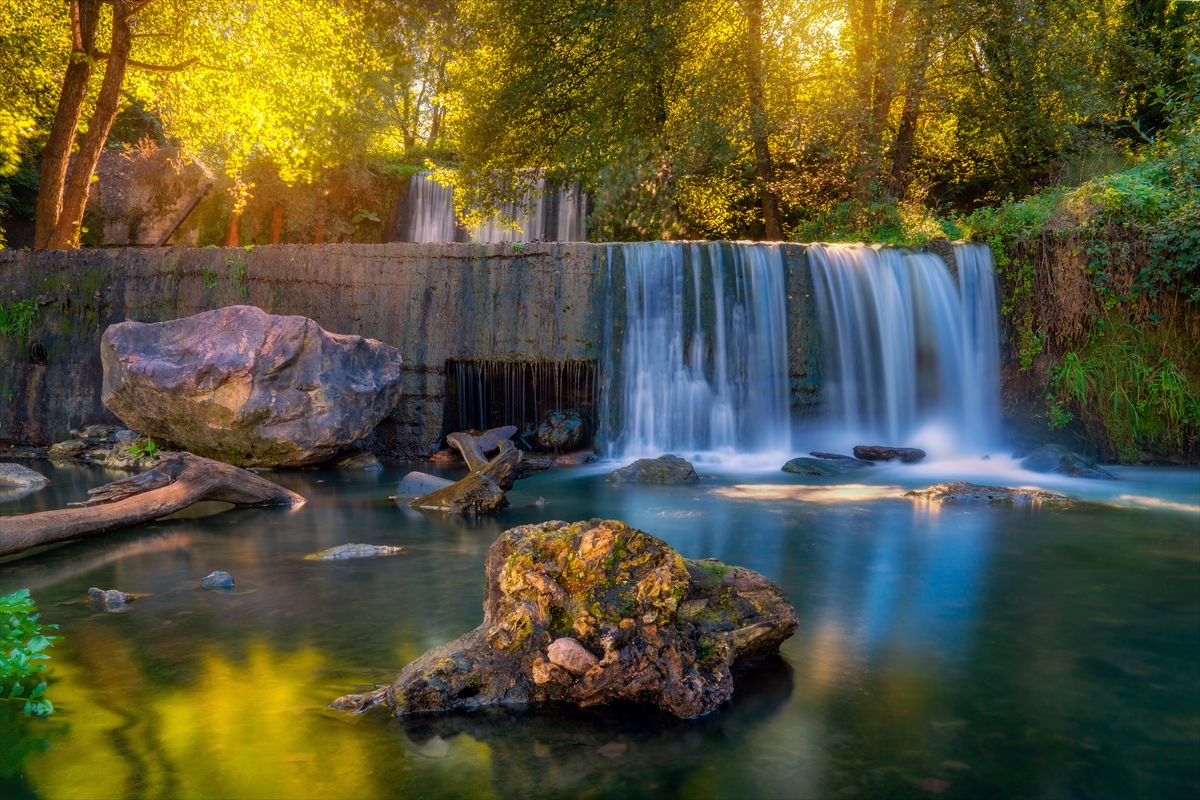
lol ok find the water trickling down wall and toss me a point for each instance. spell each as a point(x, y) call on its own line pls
point(907, 346)
point(557, 214)
point(702, 365)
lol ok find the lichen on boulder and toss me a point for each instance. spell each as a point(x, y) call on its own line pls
point(662, 629)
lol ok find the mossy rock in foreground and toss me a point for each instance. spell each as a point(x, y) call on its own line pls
point(664, 629)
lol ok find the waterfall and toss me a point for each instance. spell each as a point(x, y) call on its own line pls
point(701, 366)
point(554, 214)
point(906, 346)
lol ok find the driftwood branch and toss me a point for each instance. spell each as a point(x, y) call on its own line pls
point(481, 492)
point(176, 483)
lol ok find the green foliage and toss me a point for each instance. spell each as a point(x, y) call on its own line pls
point(144, 449)
point(24, 644)
point(209, 277)
point(237, 274)
point(16, 319)
point(1129, 379)
point(884, 220)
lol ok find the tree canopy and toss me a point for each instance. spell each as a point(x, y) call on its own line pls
point(739, 118)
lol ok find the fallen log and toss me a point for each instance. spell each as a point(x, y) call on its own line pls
point(482, 491)
point(176, 483)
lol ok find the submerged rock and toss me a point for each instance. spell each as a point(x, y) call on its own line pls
point(359, 462)
point(18, 475)
point(909, 455)
point(825, 465)
point(418, 484)
point(246, 387)
point(661, 628)
point(345, 551)
point(1056, 458)
point(217, 580)
point(664, 469)
point(559, 431)
point(959, 492)
point(109, 598)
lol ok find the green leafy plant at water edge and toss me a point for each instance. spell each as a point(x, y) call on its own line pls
point(146, 449)
point(210, 278)
point(1125, 381)
point(16, 319)
point(24, 645)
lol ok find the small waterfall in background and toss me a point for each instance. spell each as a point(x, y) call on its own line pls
point(702, 365)
point(907, 345)
point(558, 214)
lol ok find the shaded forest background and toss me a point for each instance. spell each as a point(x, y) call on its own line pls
point(1065, 133)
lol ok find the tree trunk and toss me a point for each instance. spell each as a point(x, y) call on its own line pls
point(66, 231)
point(176, 483)
point(758, 121)
point(276, 221)
point(481, 492)
point(56, 155)
point(914, 94)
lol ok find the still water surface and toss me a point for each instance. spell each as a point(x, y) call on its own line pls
point(975, 652)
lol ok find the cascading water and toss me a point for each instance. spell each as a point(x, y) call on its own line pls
point(906, 346)
point(702, 365)
point(558, 214)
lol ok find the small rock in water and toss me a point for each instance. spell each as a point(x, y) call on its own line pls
point(569, 654)
point(217, 580)
point(68, 449)
point(909, 455)
point(839, 457)
point(419, 484)
point(109, 598)
point(935, 785)
point(559, 431)
point(613, 749)
point(967, 493)
point(664, 469)
point(360, 462)
point(17, 475)
point(541, 501)
point(125, 436)
point(824, 466)
point(1056, 458)
point(343, 551)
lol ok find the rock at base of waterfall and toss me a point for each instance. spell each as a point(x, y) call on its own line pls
point(419, 484)
point(18, 475)
point(1056, 458)
point(962, 493)
point(825, 466)
point(347, 551)
point(217, 580)
point(111, 599)
point(908, 455)
point(246, 387)
point(559, 432)
point(359, 462)
point(664, 469)
point(663, 629)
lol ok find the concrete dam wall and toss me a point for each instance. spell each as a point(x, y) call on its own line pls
point(441, 305)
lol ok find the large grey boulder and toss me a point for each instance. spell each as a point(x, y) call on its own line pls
point(18, 475)
point(1056, 458)
point(664, 469)
point(248, 388)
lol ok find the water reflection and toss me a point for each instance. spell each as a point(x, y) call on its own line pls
point(1005, 652)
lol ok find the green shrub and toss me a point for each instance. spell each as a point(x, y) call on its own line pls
point(24, 647)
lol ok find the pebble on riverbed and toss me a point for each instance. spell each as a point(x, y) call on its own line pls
point(344, 551)
point(217, 580)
